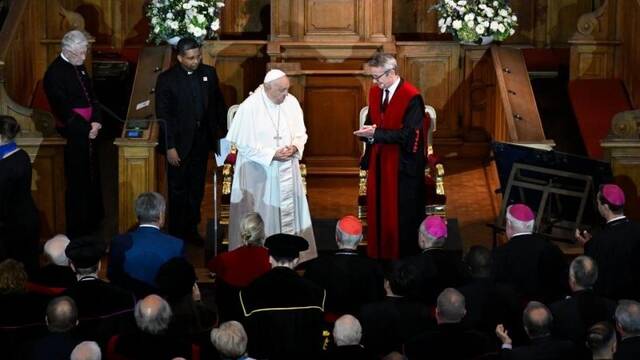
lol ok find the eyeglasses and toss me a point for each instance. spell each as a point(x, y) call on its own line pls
point(378, 77)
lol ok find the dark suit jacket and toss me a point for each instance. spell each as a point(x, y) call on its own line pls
point(350, 280)
point(439, 269)
point(140, 254)
point(535, 267)
point(54, 346)
point(139, 346)
point(628, 349)
point(180, 111)
point(545, 348)
point(348, 352)
point(573, 316)
point(449, 341)
point(616, 250)
point(387, 324)
point(55, 276)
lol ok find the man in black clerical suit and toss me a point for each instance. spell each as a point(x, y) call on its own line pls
point(628, 326)
point(192, 115)
point(351, 280)
point(573, 316)
point(387, 324)
point(616, 248)
point(103, 309)
point(283, 312)
point(77, 111)
point(451, 339)
point(438, 268)
point(537, 320)
point(535, 267)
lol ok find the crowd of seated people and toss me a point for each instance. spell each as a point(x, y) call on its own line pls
point(521, 300)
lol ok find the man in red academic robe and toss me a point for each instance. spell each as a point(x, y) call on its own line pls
point(396, 161)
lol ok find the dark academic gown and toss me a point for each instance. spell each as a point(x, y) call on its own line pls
point(283, 316)
point(54, 276)
point(628, 349)
point(388, 324)
point(349, 352)
point(616, 250)
point(396, 163)
point(544, 348)
point(18, 214)
point(192, 116)
point(138, 345)
point(535, 267)
point(68, 87)
point(54, 346)
point(449, 341)
point(572, 317)
point(351, 280)
point(439, 269)
point(103, 309)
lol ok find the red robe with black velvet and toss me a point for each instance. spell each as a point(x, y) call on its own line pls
point(396, 162)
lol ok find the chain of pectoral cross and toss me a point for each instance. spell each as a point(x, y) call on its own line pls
point(276, 125)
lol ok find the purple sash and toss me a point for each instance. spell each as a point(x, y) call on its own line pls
point(85, 112)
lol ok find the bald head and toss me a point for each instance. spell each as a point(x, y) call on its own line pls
point(86, 350)
point(54, 249)
point(153, 314)
point(347, 331)
point(583, 273)
point(62, 314)
point(451, 306)
point(537, 320)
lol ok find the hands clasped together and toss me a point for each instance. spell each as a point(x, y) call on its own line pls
point(285, 153)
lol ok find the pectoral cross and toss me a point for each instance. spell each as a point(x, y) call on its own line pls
point(277, 138)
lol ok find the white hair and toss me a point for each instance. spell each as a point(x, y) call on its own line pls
point(347, 331)
point(54, 249)
point(86, 350)
point(74, 39)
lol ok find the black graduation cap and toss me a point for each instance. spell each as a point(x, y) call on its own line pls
point(176, 277)
point(285, 245)
point(85, 251)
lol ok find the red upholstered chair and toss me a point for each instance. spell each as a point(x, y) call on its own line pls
point(433, 175)
point(44, 290)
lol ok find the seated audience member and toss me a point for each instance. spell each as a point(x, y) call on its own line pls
point(17, 306)
point(534, 266)
point(151, 340)
point(57, 273)
point(574, 315)
point(283, 313)
point(351, 280)
point(135, 257)
point(347, 333)
point(394, 356)
point(103, 308)
point(230, 340)
point(616, 248)
point(451, 339)
point(628, 326)
point(236, 269)
point(86, 350)
point(537, 320)
point(389, 323)
point(488, 303)
point(601, 340)
point(192, 319)
point(438, 268)
point(61, 319)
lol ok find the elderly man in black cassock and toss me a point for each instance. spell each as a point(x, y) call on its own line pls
point(283, 313)
point(74, 104)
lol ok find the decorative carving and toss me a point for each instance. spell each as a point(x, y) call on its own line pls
point(625, 125)
point(73, 20)
point(598, 24)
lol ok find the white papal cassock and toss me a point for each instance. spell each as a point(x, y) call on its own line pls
point(269, 187)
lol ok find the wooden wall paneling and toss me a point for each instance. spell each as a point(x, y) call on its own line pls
point(130, 25)
point(342, 19)
point(628, 56)
point(242, 17)
point(332, 107)
point(241, 66)
point(378, 18)
point(284, 23)
point(434, 68)
point(592, 60)
point(479, 90)
point(562, 19)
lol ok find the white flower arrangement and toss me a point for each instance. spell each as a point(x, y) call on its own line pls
point(470, 20)
point(199, 19)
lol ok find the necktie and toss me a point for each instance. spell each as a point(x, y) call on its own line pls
point(385, 102)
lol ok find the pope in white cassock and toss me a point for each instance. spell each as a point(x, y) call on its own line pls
point(270, 135)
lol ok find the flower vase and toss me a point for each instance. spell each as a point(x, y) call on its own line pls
point(483, 40)
point(173, 41)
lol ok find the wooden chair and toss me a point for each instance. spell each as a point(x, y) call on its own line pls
point(433, 174)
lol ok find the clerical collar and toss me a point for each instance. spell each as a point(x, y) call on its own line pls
point(149, 226)
point(65, 58)
point(616, 219)
point(521, 233)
